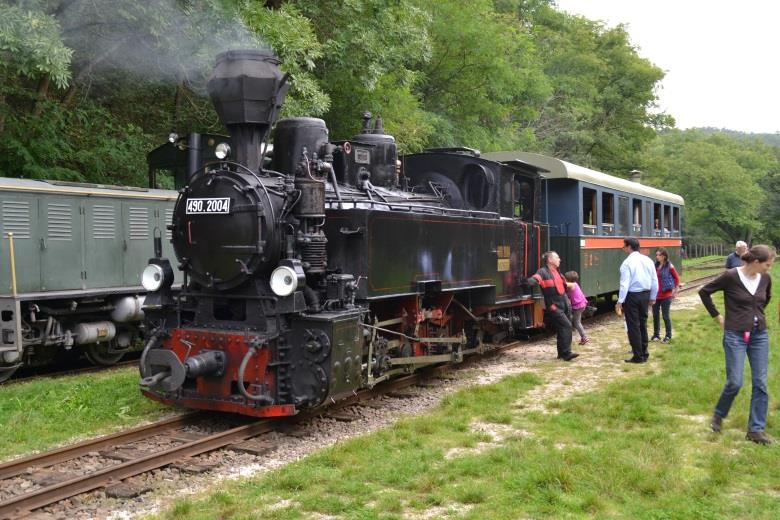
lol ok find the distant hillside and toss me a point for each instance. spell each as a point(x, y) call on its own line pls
point(770, 139)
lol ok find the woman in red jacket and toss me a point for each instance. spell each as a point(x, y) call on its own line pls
point(668, 285)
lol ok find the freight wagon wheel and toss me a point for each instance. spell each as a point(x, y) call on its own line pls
point(101, 354)
point(7, 372)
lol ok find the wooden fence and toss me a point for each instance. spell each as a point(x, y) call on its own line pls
point(699, 249)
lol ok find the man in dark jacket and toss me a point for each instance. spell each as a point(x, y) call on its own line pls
point(735, 258)
point(556, 304)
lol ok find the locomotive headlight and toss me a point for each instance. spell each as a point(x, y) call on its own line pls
point(284, 280)
point(152, 277)
point(222, 150)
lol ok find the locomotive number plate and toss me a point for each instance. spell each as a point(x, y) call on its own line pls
point(208, 206)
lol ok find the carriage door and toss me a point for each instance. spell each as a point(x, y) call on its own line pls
point(103, 239)
point(19, 215)
point(138, 223)
point(62, 240)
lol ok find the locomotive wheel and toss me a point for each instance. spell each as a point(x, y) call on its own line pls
point(100, 354)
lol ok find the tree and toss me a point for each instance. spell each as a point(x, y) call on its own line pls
point(722, 179)
point(600, 109)
point(97, 84)
point(482, 80)
point(371, 54)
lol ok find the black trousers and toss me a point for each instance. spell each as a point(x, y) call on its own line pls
point(635, 309)
point(560, 321)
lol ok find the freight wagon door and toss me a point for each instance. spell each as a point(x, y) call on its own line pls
point(139, 222)
point(62, 254)
point(19, 215)
point(104, 243)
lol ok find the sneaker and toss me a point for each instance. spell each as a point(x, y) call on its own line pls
point(758, 438)
point(667, 339)
point(655, 338)
point(715, 423)
point(584, 341)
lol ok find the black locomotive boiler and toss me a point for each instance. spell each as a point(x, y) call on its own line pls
point(331, 266)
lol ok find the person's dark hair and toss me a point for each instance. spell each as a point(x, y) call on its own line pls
point(665, 253)
point(759, 252)
point(546, 255)
point(631, 242)
point(572, 276)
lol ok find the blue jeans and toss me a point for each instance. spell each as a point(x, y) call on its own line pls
point(663, 307)
point(757, 351)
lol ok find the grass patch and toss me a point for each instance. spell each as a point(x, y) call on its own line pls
point(39, 414)
point(634, 448)
point(694, 268)
point(704, 260)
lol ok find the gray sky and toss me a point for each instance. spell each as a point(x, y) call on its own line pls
point(722, 58)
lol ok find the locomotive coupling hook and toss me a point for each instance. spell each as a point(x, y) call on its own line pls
point(154, 380)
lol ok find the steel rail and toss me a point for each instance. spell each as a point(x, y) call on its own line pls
point(22, 504)
point(16, 467)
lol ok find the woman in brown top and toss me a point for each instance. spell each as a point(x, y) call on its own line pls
point(746, 292)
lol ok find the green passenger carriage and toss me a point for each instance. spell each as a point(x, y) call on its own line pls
point(589, 213)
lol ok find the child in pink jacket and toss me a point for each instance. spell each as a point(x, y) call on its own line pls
point(578, 303)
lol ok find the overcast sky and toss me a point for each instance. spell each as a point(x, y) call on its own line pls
point(721, 58)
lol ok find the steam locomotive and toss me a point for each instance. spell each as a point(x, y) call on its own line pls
point(326, 267)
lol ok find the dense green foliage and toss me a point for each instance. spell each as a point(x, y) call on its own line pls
point(87, 88)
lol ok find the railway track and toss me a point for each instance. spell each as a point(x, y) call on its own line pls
point(698, 282)
point(40, 480)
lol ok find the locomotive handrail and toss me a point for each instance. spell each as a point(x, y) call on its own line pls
point(13, 263)
point(410, 206)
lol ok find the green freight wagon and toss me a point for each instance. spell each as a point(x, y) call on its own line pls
point(71, 255)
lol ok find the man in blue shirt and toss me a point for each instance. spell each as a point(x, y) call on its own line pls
point(638, 289)
point(735, 258)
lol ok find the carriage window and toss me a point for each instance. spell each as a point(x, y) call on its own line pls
point(657, 229)
point(608, 213)
point(636, 217)
point(524, 199)
point(623, 216)
point(588, 211)
point(162, 178)
point(675, 221)
point(667, 221)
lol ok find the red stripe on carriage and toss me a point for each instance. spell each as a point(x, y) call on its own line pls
point(617, 243)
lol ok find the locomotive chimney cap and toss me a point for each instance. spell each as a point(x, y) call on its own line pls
point(247, 87)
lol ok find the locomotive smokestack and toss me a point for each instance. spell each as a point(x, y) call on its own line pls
point(247, 89)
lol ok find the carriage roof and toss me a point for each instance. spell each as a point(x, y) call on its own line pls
point(83, 189)
point(558, 169)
